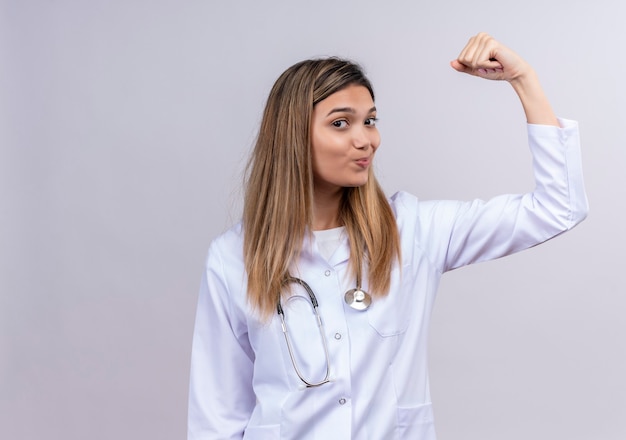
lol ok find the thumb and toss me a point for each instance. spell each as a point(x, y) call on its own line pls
point(458, 66)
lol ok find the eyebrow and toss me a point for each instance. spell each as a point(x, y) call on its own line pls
point(348, 110)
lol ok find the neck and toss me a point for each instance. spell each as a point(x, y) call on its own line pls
point(326, 209)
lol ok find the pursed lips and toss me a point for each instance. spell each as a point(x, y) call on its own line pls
point(363, 161)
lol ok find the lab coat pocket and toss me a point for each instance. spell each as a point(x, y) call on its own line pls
point(416, 422)
point(263, 432)
point(390, 315)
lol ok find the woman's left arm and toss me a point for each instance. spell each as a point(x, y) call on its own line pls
point(478, 231)
point(485, 57)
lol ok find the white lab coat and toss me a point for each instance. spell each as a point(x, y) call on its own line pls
point(243, 384)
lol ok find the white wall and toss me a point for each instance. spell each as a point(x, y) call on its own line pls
point(123, 130)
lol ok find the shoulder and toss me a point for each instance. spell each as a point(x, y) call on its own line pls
point(230, 237)
point(406, 205)
point(407, 209)
point(227, 247)
point(402, 201)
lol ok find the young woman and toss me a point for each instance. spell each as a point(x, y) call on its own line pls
point(313, 314)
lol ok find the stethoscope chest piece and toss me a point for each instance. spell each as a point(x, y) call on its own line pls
point(358, 299)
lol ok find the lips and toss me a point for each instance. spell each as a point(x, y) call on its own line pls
point(363, 162)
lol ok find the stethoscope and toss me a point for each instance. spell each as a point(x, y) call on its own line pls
point(356, 298)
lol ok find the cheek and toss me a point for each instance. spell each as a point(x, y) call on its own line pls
point(327, 148)
point(326, 162)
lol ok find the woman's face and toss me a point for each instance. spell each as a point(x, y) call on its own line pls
point(344, 139)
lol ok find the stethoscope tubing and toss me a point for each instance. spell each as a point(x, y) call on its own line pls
point(320, 326)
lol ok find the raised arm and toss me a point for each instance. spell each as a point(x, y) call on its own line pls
point(487, 58)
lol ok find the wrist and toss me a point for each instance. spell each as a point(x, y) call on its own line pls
point(525, 82)
point(535, 103)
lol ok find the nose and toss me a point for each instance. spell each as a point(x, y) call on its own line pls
point(362, 139)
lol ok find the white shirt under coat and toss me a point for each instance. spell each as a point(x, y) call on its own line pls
point(243, 384)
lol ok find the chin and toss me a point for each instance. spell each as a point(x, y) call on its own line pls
point(358, 184)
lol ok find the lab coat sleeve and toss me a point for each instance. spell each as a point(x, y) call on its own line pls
point(220, 390)
point(480, 231)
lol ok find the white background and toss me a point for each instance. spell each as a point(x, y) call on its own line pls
point(124, 126)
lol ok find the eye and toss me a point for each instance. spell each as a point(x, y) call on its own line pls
point(340, 123)
point(371, 121)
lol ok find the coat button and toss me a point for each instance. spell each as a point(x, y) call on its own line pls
point(337, 336)
point(342, 401)
point(327, 273)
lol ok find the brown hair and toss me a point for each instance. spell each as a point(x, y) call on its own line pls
point(279, 189)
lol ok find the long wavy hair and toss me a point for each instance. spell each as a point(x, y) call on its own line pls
point(278, 200)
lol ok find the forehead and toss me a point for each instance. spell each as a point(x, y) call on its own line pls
point(355, 97)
